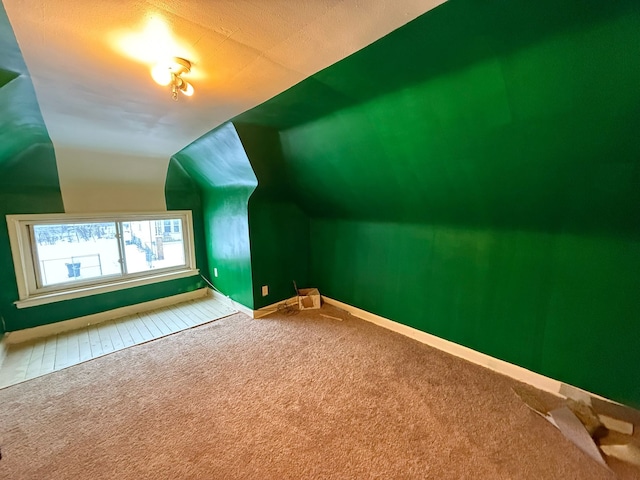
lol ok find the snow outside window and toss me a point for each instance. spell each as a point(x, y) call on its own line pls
point(57, 257)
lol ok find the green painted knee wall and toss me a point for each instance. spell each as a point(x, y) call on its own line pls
point(476, 175)
point(562, 305)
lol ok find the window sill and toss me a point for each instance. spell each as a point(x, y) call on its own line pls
point(86, 291)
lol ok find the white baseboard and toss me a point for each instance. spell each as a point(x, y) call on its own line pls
point(27, 334)
point(534, 379)
point(238, 306)
point(269, 309)
point(261, 312)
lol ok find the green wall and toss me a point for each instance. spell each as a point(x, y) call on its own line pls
point(476, 174)
point(182, 193)
point(254, 234)
point(563, 305)
point(219, 167)
point(278, 228)
point(28, 184)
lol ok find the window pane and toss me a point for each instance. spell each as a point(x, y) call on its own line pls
point(76, 252)
point(145, 249)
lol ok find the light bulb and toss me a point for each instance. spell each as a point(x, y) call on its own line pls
point(187, 89)
point(161, 74)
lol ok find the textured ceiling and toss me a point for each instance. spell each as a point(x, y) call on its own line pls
point(90, 61)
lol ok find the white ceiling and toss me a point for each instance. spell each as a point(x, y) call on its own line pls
point(90, 64)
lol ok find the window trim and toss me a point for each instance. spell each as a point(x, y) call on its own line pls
point(22, 252)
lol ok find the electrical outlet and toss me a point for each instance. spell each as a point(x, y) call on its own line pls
point(265, 290)
point(215, 272)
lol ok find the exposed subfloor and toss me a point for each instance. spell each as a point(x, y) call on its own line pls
point(28, 360)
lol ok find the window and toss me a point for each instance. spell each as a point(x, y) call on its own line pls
point(61, 256)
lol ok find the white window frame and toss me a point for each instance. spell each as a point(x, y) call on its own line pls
point(23, 252)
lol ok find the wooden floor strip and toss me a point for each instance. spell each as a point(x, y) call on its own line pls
point(195, 314)
point(169, 322)
point(61, 351)
point(126, 337)
point(142, 328)
point(73, 349)
point(105, 338)
point(94, 341)
point(114, 334)
point(200, 308)
point(177, 318)
point(49, 356)
point(32, 359)
point(130, 323)
point(150, 324)
point(85, 345)
point(217, 308)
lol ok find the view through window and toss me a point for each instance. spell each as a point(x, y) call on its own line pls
point(78, 252)
point(60, 256)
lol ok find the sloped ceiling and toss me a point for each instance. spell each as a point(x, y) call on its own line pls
point(90, 61)
point(483, 114)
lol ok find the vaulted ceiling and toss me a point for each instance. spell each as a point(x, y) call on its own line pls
point(90, 61)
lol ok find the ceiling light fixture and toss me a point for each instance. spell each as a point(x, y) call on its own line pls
point(170, 73)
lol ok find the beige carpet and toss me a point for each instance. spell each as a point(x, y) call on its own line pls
point(294, 397)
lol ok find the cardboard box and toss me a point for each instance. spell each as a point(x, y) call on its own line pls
point(308, 298)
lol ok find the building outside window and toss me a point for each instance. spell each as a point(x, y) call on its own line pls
point(64, 254)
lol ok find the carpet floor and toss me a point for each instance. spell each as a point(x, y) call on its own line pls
point(285, 397)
